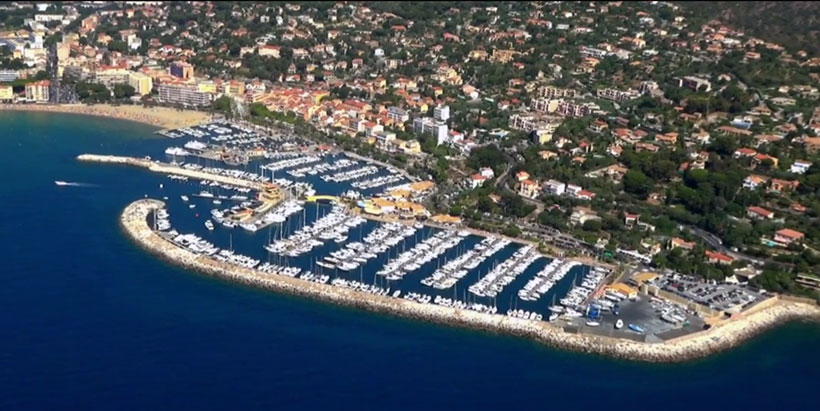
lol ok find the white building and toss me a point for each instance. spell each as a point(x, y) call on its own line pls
point(555, 188)
point(441, 113)
point(427, 125)
point(800, 167)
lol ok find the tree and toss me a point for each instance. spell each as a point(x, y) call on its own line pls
point(637, 183)
point(123, 91)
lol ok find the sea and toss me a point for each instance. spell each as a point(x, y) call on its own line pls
point(91, 321)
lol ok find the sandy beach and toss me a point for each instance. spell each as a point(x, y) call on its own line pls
point(720, 337)
point(163, 117)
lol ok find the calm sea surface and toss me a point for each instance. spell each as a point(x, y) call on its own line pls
point(90, 321)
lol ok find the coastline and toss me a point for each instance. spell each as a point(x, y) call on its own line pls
point(133, 221)
point(162, 117)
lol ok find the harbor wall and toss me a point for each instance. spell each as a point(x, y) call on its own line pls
point(134, 223)
point(159, 167)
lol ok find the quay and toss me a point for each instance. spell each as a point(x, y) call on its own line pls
point(721, 336)
point(165, 168)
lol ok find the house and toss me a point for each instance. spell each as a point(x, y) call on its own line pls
point(788, 236)
point(734, 131)
point(585, 195)
point(718, 258)
point(744, 153)
point(759, 213)
point(487, 172)
point(572, 190)
point(269, 51)
point(631, 219)
point(812, 144)
point(783, 186)
point(761, 158)
point(800, 167)
point(677, 242)
point(668, 138)
point(555, 188)
point(477, 180)
point(598, 126)
point(581, 215)
point(754, 181)
point(529, 189)
point(640, 147)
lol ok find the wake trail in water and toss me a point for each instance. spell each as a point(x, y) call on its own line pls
point(74, 184)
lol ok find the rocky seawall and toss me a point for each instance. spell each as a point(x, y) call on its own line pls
point(134, 222)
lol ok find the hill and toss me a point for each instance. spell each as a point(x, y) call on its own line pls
point(792, 24)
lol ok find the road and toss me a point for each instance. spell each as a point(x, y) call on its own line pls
point(716, 243)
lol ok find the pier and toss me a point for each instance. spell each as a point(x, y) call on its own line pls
point(723, 335)
point(165, 168)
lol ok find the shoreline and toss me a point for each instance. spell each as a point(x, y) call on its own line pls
point(161, 117)
point(133, 221)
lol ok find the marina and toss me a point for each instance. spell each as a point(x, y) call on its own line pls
point(197, 254)
point(281, 227)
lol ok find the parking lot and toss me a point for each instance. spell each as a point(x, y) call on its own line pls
point(720, 297)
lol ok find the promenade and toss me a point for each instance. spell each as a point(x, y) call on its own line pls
point(720, 337)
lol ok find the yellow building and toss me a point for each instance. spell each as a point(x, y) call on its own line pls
point(207, 86)
point(6, 93)
point(141, 83)
point(410, 146)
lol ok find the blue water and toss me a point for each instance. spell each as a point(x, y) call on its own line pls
point(90, 321)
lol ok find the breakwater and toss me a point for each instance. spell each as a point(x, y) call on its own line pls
point(159, 167)
point(134, 221)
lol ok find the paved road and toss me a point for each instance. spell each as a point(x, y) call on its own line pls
point(717, 244)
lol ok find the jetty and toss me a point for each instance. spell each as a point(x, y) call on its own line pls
point(166, 168)
point(721, 336)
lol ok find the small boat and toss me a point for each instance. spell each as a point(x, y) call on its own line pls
point(593, 323)
point(619, 324)
point(636, 328)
